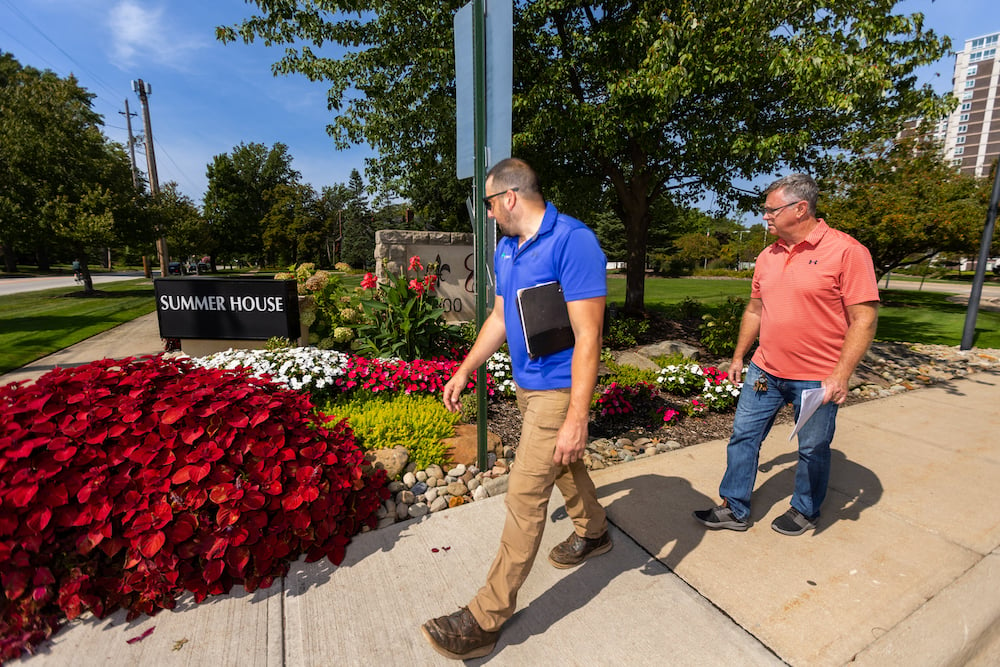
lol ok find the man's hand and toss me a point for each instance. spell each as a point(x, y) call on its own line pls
point(571, 442)
point(835, 390)
point(452, 392)
point(735, 372)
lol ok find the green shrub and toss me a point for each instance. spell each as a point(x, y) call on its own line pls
point(688, 309)
point(719, 330)
point(625, 331)
point(675, 359)
point(420, 423)
point(275, 343)
point(470, 408)
point(628, 376)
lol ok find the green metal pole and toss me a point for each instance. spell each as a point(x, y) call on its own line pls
point(479, 137)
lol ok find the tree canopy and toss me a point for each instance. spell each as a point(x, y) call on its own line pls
point(906, 204)
point(63, 185)
point(238, 199)
point(645, 100)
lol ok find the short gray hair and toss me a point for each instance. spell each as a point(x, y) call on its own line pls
point(799, 187)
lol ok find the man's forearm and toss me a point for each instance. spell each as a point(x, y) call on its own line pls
point(857, 340)
point(490, 338)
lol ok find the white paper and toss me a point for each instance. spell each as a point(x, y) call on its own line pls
point(811, 399)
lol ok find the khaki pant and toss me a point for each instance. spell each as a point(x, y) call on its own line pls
point(528, 491)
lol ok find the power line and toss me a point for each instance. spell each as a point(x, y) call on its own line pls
point(48, 39)
point(97, 79)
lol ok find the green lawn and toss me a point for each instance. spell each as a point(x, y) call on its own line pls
point(928, 317)
point(36, 324)
point(665, 291)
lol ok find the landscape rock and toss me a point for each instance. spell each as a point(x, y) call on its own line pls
point(393, 461)
point(669, 347)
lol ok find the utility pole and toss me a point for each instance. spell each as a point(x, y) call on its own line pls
point(131, 144)
point(135, 178)
point(144, 90)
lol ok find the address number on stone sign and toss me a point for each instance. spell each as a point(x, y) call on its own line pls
point(453, 305)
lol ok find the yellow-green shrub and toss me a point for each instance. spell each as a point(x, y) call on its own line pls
point(418, 422)
point(627, 375)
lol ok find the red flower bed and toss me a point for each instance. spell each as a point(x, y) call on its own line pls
point(124, 483)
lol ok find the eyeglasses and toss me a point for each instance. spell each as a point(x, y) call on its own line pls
point(489, 204)
point(771, 211)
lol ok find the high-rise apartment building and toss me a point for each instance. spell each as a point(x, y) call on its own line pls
point(972, 137)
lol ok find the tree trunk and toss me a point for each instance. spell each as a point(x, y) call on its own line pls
point(637, 236)
point(9, 260)
point(633, 190)
point(42, 253)
point(88, 280)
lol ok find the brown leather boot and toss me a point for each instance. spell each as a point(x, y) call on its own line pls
point(459, 636)
point(575, 549)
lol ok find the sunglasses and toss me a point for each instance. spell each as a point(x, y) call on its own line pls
point(489, 204)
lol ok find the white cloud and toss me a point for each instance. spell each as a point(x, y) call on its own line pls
point(144, 33)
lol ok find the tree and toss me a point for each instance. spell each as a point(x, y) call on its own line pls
point(236, 202)
point(647, 100)
point(294, 226)
point(694, 249)
point(358, 244)
point(63, 185)
point(186, 230)
point(905, 204)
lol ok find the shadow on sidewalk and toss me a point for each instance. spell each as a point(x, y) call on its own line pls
point(580, 586)
point(855, 488)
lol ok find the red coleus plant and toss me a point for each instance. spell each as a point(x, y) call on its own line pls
point(124, 483)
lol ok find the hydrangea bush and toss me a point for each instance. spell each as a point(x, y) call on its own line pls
point(329, 309)
point(125, 483)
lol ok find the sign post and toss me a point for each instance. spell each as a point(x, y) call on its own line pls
point(488, 86)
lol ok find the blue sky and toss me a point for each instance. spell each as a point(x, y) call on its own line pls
point(208, 98)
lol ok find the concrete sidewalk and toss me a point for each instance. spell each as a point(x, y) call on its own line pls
point(904, 568)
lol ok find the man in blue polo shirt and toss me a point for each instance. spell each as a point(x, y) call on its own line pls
point(554, 392)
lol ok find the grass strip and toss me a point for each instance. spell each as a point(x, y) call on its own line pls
point(36, 324)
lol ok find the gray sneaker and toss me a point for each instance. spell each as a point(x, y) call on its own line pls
point(720, 517)
point(793, 522)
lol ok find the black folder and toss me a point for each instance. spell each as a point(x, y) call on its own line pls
point(544, 319)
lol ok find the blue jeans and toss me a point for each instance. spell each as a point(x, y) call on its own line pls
point(755, 415)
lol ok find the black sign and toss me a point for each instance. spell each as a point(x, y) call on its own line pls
point(227, 308)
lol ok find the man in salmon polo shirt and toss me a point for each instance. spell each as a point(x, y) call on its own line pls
point(814, 308)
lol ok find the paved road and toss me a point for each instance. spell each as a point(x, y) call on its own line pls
point(36, 283)
point(989, 289)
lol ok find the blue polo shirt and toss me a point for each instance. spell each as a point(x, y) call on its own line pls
point(563, 249)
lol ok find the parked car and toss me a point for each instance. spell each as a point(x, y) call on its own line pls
point(175, 269)
point(203, 267)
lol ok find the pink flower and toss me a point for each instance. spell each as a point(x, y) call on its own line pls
point(415, 264)
point(369, 281)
